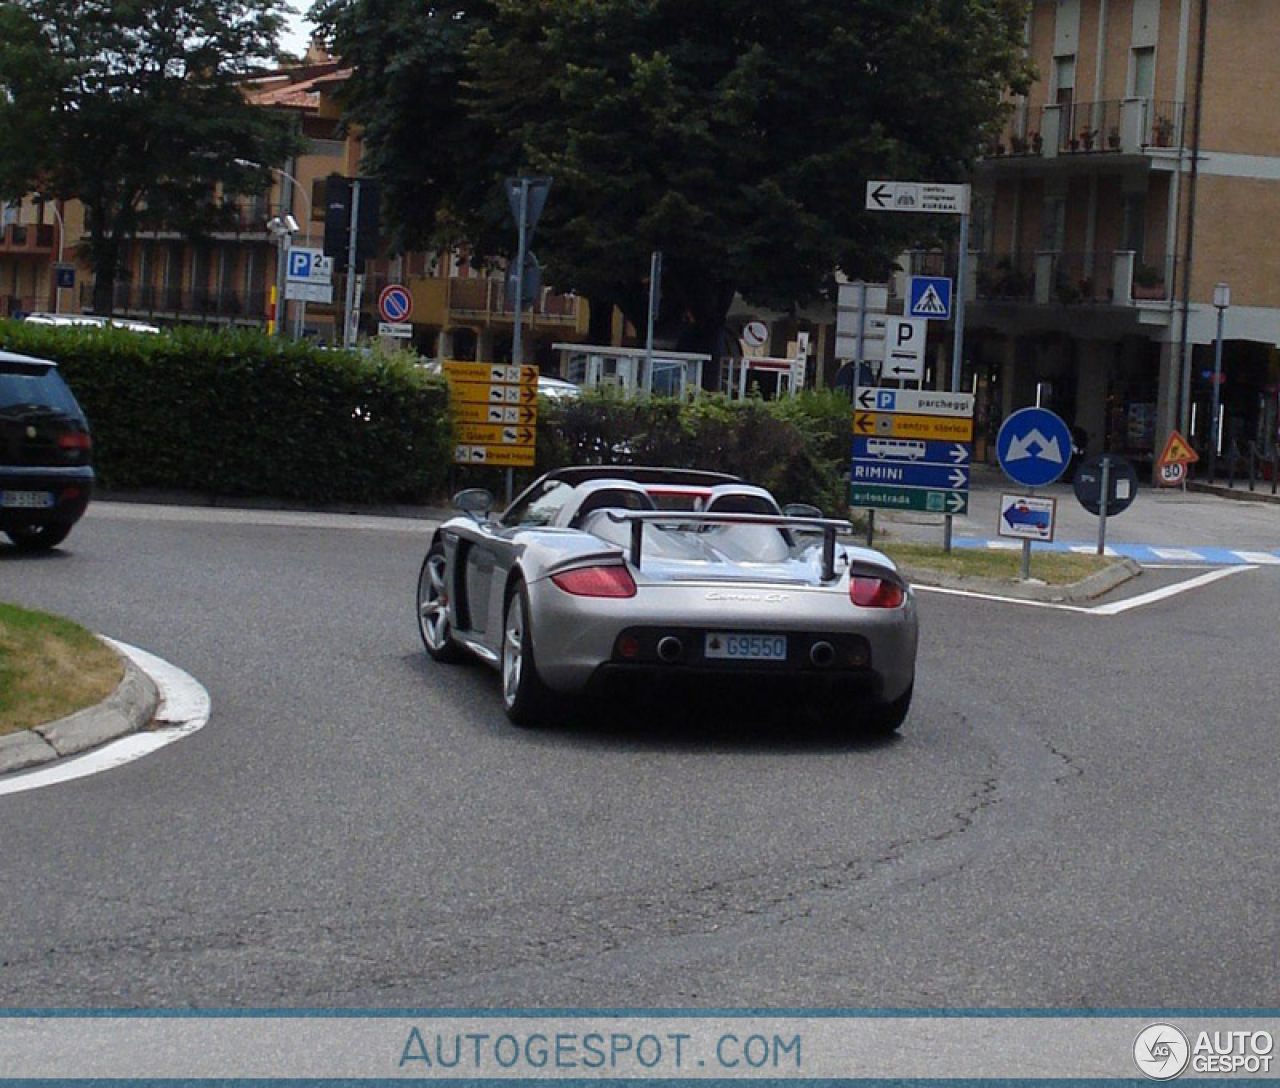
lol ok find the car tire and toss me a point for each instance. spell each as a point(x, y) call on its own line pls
point(882, 719)
point(526, 699)
point(37, 538)
point(434, 625)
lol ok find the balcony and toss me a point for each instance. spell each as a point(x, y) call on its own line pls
point(35, 238)
point(200, 306)
point(1107, 291)
point(1086, 130)
point(245, 219)
point(455, 301)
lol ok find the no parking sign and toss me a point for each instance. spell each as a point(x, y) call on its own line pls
point(395, 304)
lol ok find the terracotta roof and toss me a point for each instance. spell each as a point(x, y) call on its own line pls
point(298, 88)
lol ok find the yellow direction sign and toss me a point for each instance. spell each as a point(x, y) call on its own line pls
point(503, 456)
point(900, 425)
point(501, 434)
point(493, 393)
point(482, 411)
point(490, 372)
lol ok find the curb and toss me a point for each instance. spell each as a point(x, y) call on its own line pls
point(1240, 494)
point(129, 708)
point(1088, 589)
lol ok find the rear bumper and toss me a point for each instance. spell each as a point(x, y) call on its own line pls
point(579, 642)
point(70, 488)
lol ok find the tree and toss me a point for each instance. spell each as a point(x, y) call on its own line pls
point(737, 136)
point(136, 109)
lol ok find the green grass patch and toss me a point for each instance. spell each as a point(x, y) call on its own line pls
point(49, 668)
point(1054, 568)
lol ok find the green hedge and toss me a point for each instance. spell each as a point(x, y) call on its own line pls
point(239, 414)
point(798, 448)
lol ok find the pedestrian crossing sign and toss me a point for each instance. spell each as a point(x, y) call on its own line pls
point(929, 297)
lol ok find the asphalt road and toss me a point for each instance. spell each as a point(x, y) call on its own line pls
point(1080, 810)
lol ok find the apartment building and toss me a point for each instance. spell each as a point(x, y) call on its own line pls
point(1142, 169)
point(462, 307)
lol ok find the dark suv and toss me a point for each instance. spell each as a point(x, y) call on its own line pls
point(45, 450)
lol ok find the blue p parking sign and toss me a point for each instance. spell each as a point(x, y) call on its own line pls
point(299, 264)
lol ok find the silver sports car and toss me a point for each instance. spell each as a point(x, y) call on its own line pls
point(598, 576)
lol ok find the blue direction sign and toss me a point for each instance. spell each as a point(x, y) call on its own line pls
point(916, 450)
point(929, 296)
point(1033, 447)
point(907, 474)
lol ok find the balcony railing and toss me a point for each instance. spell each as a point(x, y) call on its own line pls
point(200, 304)
point(1111, 278)
point(488, 299)
point(1128, 125)
point(247, 216)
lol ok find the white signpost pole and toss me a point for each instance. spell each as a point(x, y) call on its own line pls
point(934, 199)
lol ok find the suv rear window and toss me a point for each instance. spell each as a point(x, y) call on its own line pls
point(35, 384)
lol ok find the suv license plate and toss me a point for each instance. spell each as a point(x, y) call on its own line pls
point(725, 646)
point(27, 500)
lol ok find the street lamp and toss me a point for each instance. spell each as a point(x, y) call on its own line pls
point(1221, 301)
point(282, 228)
point(285, 226)
point(62, 237)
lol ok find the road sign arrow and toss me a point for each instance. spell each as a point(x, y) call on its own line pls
point(528, 415)
point(959, 478)
point(959, 453)
point(866, 398)
point(881, 195)
point(1046, 449)
point(956, 503)
point(864, 423)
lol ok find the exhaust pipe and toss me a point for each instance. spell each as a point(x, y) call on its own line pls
point(822, 654)
point(670, 649)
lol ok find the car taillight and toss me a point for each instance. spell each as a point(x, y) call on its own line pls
point(869, 592)
point(74, 440)
point(610, 581)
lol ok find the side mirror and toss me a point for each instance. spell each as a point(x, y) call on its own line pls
point(476, 501)
point(801, 510)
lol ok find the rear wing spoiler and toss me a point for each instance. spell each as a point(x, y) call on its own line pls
point(829, 527)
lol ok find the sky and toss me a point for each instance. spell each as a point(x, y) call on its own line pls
point(297, 35)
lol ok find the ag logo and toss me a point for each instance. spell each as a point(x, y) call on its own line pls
point(1161, 1051)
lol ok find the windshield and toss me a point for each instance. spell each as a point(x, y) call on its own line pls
point(35, 385)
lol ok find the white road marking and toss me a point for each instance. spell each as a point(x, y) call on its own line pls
point(1113, 609)
point(184, 708)
point(1177, 553)
point(1257, 557)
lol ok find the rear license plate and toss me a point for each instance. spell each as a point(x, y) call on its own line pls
point(27, 500)
point(725, 646)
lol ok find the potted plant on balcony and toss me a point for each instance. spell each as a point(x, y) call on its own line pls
point(1037, 143)
point(1162, 132)
point(1018, 145)
point(1148, 282)
point(1087, 137)
point(1113, 137)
